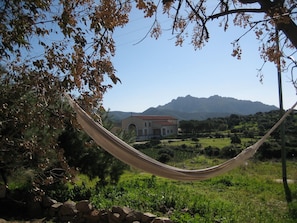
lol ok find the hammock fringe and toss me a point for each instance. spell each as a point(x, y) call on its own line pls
point(129, 155)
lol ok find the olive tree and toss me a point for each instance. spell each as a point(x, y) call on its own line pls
point(48, 48)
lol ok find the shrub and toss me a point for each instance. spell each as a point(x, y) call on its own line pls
point(292, 152)
point(141, 146)
point(81, 192)
point(183, 146)
point(269, 151)
point(195, 139)
point(235, 139)
point(211, 151)
point(154, 142)
point(59, 191)
point(230, 151)
point(219, 135)
point(165, 155)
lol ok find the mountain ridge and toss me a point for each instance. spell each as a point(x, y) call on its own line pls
point(189, 107)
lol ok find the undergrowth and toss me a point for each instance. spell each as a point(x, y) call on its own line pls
point(247, 194)
point(243, 195)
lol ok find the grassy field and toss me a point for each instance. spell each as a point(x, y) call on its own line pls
point(247, 194)
point(204, 142)
point(251, 193)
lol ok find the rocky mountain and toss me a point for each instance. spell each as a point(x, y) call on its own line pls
point(192, 108)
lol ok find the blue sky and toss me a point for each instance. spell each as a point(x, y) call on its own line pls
point(153, 72)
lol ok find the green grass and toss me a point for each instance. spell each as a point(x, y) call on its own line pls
point(246, 194)
point(214, 142)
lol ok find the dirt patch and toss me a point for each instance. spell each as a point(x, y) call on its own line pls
point(290, 181)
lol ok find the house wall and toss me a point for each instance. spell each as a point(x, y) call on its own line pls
point(147, 127)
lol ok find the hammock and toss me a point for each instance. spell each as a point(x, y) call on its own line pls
point(129, 155)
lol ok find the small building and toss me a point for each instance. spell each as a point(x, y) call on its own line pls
point(150, 126)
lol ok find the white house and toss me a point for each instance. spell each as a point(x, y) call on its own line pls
point(151, 126)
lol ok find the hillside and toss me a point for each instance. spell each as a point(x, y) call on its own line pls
point(215, 104)
point(192, 108)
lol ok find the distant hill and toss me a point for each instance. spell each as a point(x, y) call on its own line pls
point(188, 107)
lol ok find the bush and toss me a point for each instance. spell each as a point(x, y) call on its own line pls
point(165, 155)
point(292, 152)
point(235, 139)
point(211, 151)
point(230, 151)
point(59, 191)
point(154, 142)
point(195, 139)
point(269, 151)
point(183, 146)
point(164, 158)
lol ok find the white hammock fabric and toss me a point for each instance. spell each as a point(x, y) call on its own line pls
point(129, 155)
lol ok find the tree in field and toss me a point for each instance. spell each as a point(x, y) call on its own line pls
point(29, 127)
point(68, 42)
point(82, 152)
point(48, 48)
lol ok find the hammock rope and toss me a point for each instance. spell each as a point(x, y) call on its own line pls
point(129, 155)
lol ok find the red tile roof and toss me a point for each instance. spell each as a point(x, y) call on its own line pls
point(155, 117)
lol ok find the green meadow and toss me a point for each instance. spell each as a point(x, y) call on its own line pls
point(250, 193)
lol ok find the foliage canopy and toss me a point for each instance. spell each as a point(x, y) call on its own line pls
point(69, 45)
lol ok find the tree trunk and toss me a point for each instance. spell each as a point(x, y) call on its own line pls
point(290, 30)
point(282, 130)
point(278, 13)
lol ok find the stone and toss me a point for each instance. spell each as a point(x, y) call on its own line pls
point(84, 207)
point(83, 212)
point(148, 217)
point(47, 202)
point(33, 206)
point(67, 211)
point(54, 209)
point(123, 211)
point(42, 220)
point(162, 220)
point(94, 217)
point(103, 216)
point(115, 217)
point(118, 214)
point(133, 216)
point(2, 190)
point(68, 208)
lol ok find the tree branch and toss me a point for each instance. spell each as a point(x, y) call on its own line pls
point(247, 1)
point(253, 26)
point(176, 15)
point(215, 16)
